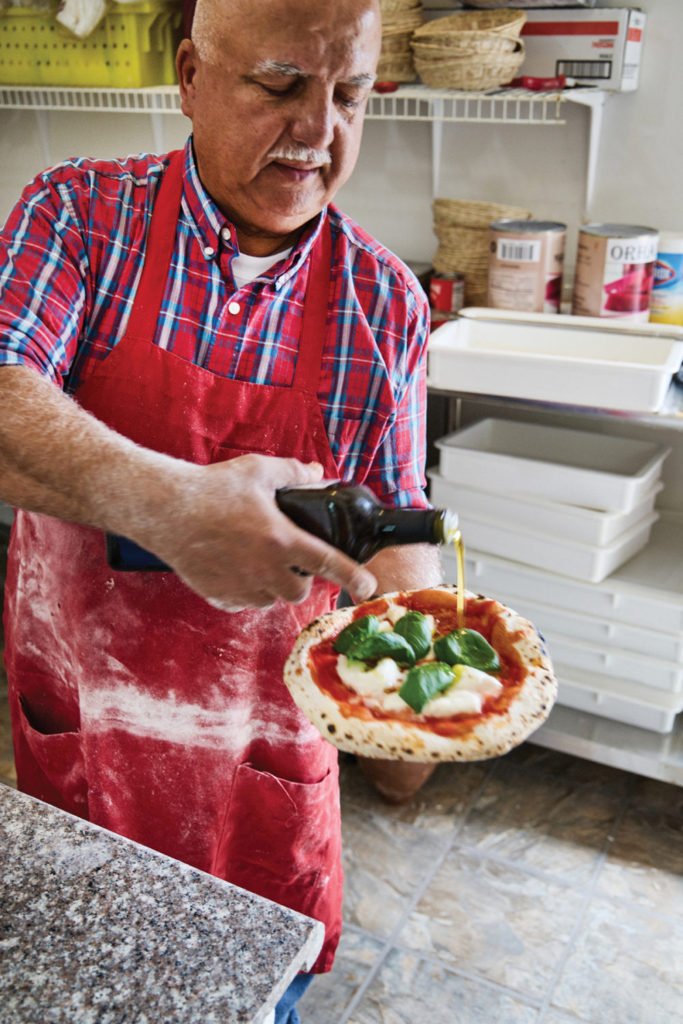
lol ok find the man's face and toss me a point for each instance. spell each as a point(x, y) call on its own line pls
point(277, 107)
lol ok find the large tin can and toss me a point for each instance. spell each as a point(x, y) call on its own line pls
point(447, 292)
point(615, 271)
point(666, 303)
point(526, 259)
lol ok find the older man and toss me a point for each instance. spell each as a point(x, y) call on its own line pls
point(179, 336)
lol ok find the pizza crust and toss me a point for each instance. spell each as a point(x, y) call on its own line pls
point(396, 739)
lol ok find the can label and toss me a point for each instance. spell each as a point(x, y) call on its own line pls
point(614, 275)
point(525, 269)
point(447, 292)
point(666, 301)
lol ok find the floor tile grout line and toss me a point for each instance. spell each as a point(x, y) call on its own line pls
point(412, 903)
point(519, 868)
point(435, 961)
point(585, 906)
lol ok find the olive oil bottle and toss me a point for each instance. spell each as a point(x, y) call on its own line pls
point(350, 517)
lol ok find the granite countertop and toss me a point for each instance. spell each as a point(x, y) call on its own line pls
point(95, 929)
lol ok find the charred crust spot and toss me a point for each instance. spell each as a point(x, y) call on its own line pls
point(348, 736)
point(323, 714)
point(331, 728)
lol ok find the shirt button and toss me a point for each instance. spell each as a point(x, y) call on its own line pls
point(225, 234)
point(234, 308)
point(209, 251)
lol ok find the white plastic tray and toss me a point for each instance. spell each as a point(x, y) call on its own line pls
point(571, 522)
point(586, 562)
point(650, 673)
point(565, 359)
point(646, 592)
point(578, 467)
point(598, 633)
point(615, 699)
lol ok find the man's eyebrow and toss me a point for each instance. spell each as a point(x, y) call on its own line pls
point(361, 80)
point(280, 67)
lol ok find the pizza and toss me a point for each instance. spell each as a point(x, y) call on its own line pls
point(398, 678)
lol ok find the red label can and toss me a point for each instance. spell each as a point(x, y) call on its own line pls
point(615, 271)
point(447, 292)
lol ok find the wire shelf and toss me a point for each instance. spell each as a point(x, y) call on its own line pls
point(408, 103)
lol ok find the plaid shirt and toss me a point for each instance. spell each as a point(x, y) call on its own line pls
point(71, 255)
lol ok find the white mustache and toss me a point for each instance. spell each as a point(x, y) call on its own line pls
point(301, 155)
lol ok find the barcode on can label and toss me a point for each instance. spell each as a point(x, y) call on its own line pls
point(520, 252)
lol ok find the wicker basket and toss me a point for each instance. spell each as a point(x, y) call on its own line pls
point(470, 213)
point(464, 44)
point(480, 72)
point(396, 69)
point(508, 23)
point(401, 22)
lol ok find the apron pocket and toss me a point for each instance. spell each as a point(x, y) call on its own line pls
point(50, 765)
point(282, 840)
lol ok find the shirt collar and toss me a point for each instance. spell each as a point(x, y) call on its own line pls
point(214, 230)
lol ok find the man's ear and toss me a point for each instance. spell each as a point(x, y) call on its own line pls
point(187, 63)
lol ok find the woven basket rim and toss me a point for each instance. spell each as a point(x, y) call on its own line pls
point(474, 213)
point(484, 42)
point(508, 21)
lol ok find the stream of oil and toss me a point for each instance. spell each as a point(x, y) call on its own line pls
point(460, 561)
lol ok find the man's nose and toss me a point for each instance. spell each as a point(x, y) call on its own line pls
point(314, 121)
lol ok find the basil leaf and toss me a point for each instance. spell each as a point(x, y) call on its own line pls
point(383, 645)
point(467, 647)
point(417, 630)
point(356, 631)
point(424, 682)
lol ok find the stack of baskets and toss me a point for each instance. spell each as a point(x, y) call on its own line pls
point(400, 18)
point(461, 227)
point(470, 50)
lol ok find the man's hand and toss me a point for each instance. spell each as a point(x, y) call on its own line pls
point(229, 541)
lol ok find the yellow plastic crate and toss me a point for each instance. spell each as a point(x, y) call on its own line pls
point(134, 45)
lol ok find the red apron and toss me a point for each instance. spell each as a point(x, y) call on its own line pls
point(136, 704)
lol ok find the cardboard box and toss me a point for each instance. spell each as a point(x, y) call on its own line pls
point(600, 47)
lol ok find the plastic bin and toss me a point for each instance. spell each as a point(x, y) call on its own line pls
point(598, 633)
point(569, 522)
point(578, 467)
point(586, 562)
point(134, 45)
point(558, 358)
point(617, 700)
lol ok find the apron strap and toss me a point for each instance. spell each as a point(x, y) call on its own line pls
point(314, 326)
point(159, 251)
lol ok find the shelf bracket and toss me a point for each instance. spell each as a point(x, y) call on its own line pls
point(437, 144)
point(596, 104)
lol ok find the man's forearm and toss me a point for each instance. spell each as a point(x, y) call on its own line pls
point(407, 568)
point(58, 459)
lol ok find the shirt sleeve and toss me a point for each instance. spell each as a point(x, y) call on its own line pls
point(43, 279)
point(397, 474)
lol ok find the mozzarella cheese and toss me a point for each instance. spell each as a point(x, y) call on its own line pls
point(380, 684)
point(369, 682)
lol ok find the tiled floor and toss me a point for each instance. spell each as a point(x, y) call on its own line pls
point(534, 889)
